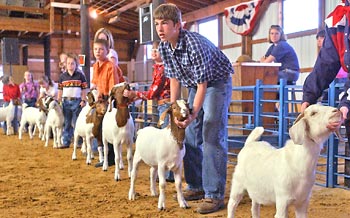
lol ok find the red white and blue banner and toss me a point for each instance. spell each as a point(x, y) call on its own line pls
point(241, 18)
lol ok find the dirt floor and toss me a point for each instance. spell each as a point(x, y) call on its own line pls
point(44, 182)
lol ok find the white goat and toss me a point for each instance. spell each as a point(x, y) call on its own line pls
point(118, 128)
point(8, 114)
point(88, 126)
point(283, 176)
point(35, 118)
point(162, 149)
point(54, 121)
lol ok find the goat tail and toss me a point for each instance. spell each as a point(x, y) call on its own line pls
point(255, 134)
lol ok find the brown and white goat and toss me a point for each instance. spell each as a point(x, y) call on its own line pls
point(118, 128)
point(88, 126)
point(284, 176)
point(162, 150)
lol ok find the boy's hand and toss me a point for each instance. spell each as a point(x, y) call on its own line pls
point(129, 94)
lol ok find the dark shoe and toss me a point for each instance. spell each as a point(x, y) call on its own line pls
point(171, 180)
point(111, 163)
point(210, 205)
point(100, 164)
point(63, 147)
point(190, 195)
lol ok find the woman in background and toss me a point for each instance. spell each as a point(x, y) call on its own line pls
point(280, 51)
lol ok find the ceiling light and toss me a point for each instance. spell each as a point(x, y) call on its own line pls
point(93, 14)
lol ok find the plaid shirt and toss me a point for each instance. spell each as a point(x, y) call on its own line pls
point(194, 60)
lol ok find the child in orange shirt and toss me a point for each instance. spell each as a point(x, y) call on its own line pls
point(104, 71)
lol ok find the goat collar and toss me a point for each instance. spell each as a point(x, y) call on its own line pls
point(122, 105)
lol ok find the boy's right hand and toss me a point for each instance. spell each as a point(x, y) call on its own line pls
point(129, 94)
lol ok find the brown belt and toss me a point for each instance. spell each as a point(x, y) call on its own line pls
point(163, 101)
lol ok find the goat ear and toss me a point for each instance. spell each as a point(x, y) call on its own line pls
point(162, 117)
point(298, 131)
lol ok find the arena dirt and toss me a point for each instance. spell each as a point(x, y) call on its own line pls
point(38, 181)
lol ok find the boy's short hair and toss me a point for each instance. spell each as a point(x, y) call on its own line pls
point(74, 57)
point(103, 42)
point(321, 33)
point(168, 11)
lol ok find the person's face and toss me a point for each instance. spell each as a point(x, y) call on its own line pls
point(155, 55)
point(71, 64)
point(275, 35)
point(27, 76)
point(167, 30)
point(100, 51)
point(320, 41)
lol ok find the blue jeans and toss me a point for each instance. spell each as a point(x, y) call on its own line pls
point(161, 109)
point(205, 162)
point(14, 121)
point(30, 102)
point(71, 110)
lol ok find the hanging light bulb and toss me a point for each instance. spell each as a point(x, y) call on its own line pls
point(93, 14)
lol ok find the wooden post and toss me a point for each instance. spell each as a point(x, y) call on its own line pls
point(85, 38)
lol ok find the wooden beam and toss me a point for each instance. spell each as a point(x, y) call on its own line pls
point(27, 24)
point(74, 2)
point(133, 4)
point(209, 11)
point(62, 5)
point(24, 9)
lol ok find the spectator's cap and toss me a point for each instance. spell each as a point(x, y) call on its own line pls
point(321, 33)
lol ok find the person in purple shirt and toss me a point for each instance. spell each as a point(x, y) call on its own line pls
point(29, 89)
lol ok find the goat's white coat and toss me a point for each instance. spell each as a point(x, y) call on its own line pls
point(159, 149)
point(8, 114)
point(283, 176)
point(83, 130)
point(54, 121)
point(117, 136)
point(35, 118)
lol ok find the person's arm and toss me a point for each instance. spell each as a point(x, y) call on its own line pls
point(113, 57)
point(197, 105)
point(325, 70)
point(5, 93)
point(268, 59)
point(157, 85)
point(59, 95)
point(113, 77)
point(83, 98)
